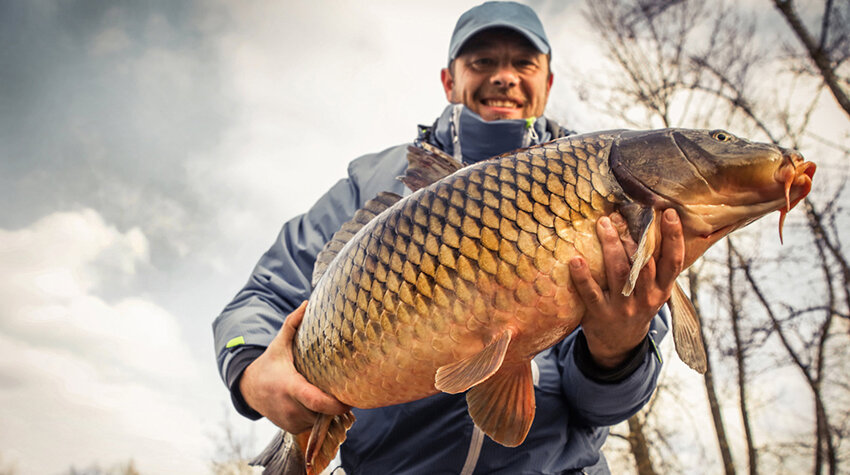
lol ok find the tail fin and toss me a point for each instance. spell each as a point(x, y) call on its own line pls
point(309, 452)
point(281, 456)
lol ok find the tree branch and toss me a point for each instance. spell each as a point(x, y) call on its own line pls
point(817, 54)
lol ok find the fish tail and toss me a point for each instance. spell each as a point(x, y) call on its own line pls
point(282, 456)
point(309, 452)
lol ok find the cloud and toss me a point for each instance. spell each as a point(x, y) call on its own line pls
point(84, 379)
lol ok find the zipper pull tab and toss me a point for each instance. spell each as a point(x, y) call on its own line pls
point(531, 136)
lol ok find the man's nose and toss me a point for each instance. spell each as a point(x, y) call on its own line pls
point(505, 76)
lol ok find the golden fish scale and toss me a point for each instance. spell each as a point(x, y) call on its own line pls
point(433, 279)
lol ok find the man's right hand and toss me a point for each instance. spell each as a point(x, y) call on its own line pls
point(273, 387)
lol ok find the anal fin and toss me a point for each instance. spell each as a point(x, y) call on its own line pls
point(459, 376)
point(327, 435)
point(686, 331)
point(503, 406)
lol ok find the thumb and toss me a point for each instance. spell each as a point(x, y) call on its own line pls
point(286, 335)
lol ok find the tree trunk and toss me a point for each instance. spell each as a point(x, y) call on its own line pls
point(711, 392)
point(640, 446)
point(741, 360)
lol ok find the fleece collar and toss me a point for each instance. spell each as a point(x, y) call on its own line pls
point(469, 138)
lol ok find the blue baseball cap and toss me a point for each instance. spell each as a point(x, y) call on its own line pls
point(512, 15)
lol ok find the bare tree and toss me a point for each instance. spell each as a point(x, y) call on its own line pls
point(708, 380)
point(831, 50)
point(685, 63)
point(736, 317)
point(640, 446)
point(233, 451)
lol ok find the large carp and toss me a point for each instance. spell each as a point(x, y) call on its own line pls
point(457, 286)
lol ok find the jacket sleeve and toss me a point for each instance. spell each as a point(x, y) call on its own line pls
point(277, 285)
point(281, 279)
point(600, 398)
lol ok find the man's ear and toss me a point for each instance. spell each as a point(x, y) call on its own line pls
point(448, 82)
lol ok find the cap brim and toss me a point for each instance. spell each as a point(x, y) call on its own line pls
point(535, 40)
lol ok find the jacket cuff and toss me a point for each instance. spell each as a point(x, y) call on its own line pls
point(588, 367)
point(237, 366)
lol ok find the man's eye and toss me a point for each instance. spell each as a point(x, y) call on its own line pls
point(483, 62)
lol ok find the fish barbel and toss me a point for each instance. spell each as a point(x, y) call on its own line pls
point(457, 286)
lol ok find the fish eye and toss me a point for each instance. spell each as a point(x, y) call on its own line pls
point(721, 135)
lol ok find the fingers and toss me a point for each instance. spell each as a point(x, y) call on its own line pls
point(272, 385)
point(303, 392)
point(283, 341)
point(614, 255)
point(316, 400)
point(292, 418)
point(672, 250)
point(622, 228)
point(616, 242)
point(291, 324)
point(589, 291)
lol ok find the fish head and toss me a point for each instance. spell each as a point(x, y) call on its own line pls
point(717, 182)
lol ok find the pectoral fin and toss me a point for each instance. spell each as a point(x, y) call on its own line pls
point(503, 406)
point(640, 220)
point(686, 331)
point(458, 377)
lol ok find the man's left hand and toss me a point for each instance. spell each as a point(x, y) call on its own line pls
point(614, 324)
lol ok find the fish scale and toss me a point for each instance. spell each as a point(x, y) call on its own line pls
point(441, 273)
point(456, 287)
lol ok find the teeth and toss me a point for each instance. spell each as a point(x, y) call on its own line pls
point(499, 103)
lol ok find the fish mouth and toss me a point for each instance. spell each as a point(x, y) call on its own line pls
point(792, 182)
point(797, 178)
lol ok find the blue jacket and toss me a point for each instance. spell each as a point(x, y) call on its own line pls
point(576, 401)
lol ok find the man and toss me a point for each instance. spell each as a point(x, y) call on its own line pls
point(497, 82)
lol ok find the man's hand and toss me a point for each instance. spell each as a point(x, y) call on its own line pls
point(273, 387)
point(615, 324)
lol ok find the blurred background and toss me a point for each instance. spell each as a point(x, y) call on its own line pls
point(150, 151)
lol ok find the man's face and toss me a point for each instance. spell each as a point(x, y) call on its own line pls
point(499, 75)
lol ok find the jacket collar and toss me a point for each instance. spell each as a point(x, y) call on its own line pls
point(469, 138)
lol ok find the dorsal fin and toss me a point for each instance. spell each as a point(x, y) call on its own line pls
point(370, 209)
point(427, 164)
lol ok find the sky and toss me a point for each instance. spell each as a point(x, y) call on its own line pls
point(149, 152)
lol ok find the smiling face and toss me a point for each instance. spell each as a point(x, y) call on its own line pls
point(499, 75)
